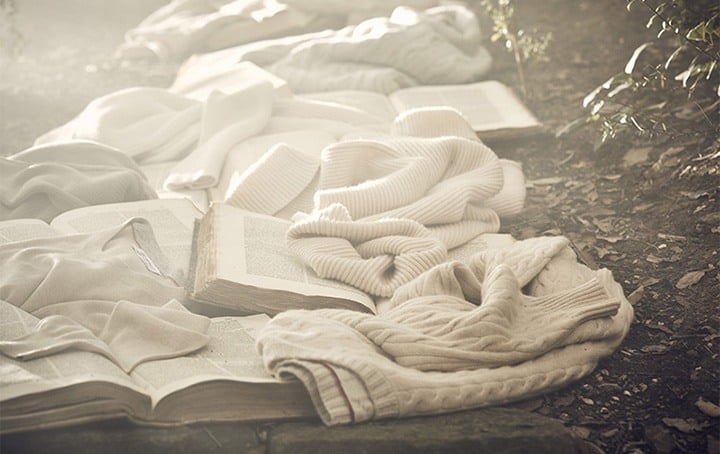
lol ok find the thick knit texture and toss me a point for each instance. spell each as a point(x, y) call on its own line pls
point(460, 336)
point(442, 190)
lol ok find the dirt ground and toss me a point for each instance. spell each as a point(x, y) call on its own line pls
point(647, 210)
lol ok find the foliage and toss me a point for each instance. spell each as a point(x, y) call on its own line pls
point(524, 45)
point(11, 41)
point(678, 80)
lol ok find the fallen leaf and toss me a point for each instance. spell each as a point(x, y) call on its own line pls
point(580, 431)
point(609, 433)
point(564, 401)
point(694, 195)
point(689, 279)
point(668, 236)
point(661, 438)
point(652, 258)
point(544, 181)
point(612, 239)
point(650, 282)
point(605, 225)
point(600, 211)
point(636, 156)
point(659, 327)
point(655, 349)
point(707, 407)
point(687, 426)
point(636, 295)
point(641, 207)
point(587, 401)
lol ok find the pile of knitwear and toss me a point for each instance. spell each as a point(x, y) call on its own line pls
point(436, 46)
point(406, 211)
point(185, 27)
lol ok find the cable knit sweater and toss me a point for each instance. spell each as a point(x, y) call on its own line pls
point(462, 335)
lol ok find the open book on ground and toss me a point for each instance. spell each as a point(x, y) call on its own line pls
point(225, 380)
point(172, 221)
point(241, 264)
point(492, 108)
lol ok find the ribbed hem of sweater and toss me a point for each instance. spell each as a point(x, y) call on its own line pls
point(274, 181)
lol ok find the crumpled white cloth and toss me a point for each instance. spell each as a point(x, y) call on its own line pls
point(111, 292)
point(184, 27)
point(440, 45)
point(153, 125)
point(44, 181)
point(460, 336)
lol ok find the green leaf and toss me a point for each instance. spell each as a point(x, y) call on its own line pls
point(673, 55)
point(619, 88)
point(697, 33)
point(633, 59)
point(589, 98)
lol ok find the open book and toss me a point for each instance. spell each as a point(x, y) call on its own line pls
point(242, 265)
point(225, 380)
point(172, 221)
point(491, 108)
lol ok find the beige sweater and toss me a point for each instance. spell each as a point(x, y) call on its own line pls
point(386, 211)
point(460, 336)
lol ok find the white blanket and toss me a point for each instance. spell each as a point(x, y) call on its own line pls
point(184, 27)
point(436, 46)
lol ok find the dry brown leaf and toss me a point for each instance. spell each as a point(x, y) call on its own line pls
point(707, 407)
point(689, 279)
point(636, 156)
point(612, 239)
point(655, 349)
point(635, 296)
point(687, 426)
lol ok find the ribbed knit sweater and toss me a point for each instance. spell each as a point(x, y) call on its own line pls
point(460, 336)
point(386, 211)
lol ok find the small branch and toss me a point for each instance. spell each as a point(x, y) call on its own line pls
point(682, 35)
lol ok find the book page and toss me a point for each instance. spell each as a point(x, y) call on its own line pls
point(156, 175)
point(172, 221)
point(230, 355)
point(243, 155)
point(252, 251)
point(24, 229)
point(372, 103)
point(22, 378)
point(487, 105)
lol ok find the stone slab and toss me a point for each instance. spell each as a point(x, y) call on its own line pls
point(491, 430)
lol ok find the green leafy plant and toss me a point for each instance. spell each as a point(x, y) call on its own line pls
point(677, 80)
point(525, 45)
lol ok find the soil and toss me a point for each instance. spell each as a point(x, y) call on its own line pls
point(647, 209)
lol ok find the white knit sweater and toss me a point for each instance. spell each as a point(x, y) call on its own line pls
point(386, 211)
point(460, 336)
